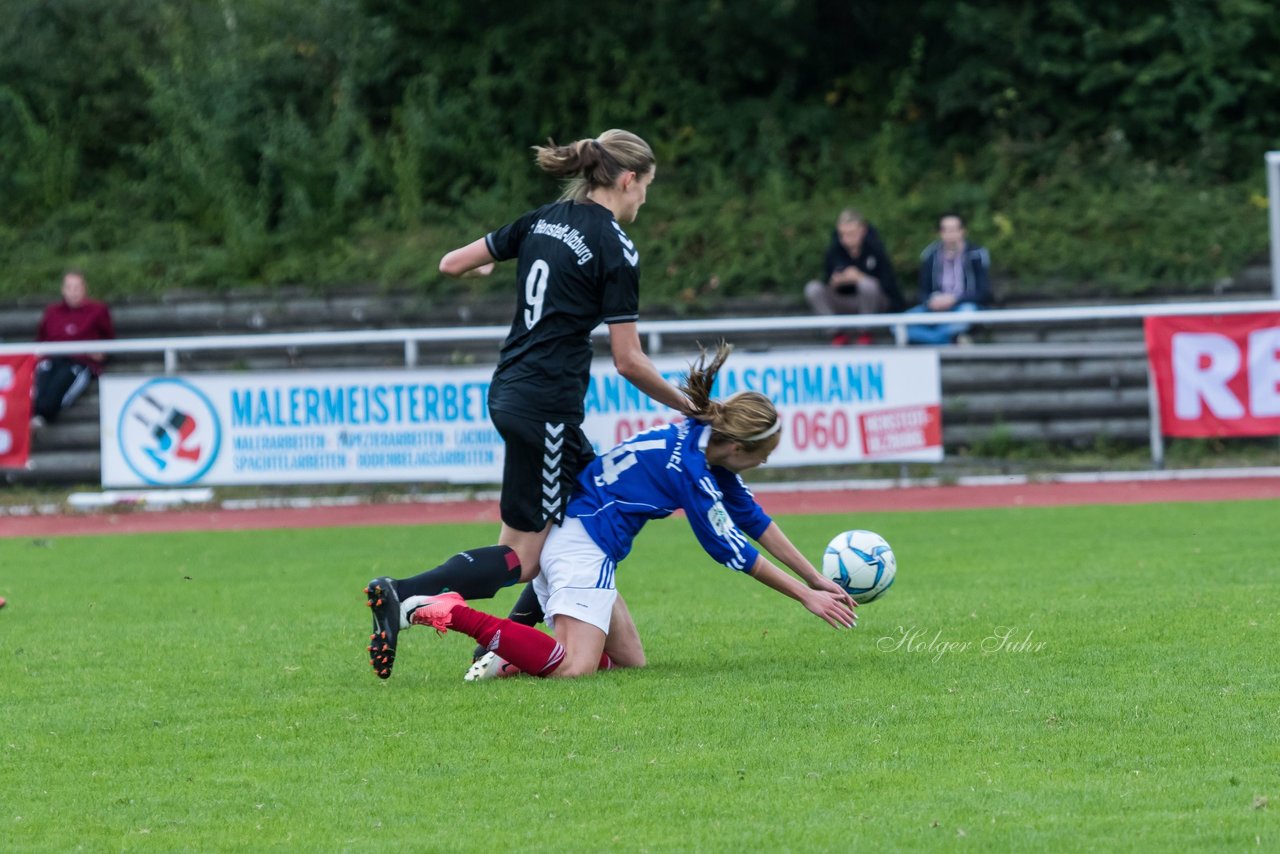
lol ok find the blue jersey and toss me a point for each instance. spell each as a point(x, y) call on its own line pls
point(657, 472)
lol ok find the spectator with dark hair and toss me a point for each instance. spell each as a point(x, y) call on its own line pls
point(954, 276)
point(859, 277)
point(60, 380)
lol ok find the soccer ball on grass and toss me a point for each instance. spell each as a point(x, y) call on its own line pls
point(862, 563)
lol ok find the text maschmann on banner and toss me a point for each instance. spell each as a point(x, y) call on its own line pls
point(837, 406)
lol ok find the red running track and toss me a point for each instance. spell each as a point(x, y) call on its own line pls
point(904, 499)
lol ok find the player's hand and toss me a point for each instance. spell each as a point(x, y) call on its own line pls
point(846, 276)
point(832, 608)
point(941, 302)
point(824, 583)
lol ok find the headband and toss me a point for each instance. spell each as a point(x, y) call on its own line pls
point(766, 433)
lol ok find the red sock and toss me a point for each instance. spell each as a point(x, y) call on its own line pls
point(606, 663)
point(532, 651)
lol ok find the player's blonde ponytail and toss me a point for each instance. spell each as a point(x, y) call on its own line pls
point(748, 418)
point(591, 163)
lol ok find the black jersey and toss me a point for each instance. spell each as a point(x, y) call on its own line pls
point(577, 268)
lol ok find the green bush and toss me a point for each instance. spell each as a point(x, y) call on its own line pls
point(192, 143)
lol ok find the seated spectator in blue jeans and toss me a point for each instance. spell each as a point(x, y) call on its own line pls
point(954, 276)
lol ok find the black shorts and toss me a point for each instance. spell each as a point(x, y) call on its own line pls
point(542, 462)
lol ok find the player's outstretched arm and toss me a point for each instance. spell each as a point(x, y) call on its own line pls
point(638, 369)
point(470, 260)
point(778, 544)
point(830, 607)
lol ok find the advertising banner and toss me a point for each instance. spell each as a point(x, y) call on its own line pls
point(1216, 376)
point(16, 373)
point(837, 406)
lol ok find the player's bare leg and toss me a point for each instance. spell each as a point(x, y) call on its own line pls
point(623, 643)
point(527, 546)
point(583, 647)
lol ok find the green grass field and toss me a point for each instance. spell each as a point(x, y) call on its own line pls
point(210, 692)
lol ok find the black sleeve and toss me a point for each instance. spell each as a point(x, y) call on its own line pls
point(504, 243)
point(620, 300)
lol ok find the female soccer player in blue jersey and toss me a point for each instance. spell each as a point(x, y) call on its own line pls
point(576, 268)
point(695, 466)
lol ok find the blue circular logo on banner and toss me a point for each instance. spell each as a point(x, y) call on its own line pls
point(169, 432)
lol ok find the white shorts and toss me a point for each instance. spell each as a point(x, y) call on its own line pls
point(576, 578)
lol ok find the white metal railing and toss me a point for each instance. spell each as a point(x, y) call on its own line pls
point(653, 330)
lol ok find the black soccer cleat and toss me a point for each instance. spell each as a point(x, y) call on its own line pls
point(385, 605)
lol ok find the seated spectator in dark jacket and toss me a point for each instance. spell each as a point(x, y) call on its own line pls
point(60, 380)
point(859, 275)
point(954, 276)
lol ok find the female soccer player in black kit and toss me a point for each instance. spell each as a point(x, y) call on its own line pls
point(576, 268)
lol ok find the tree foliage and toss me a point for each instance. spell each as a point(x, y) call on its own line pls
point(229, 141)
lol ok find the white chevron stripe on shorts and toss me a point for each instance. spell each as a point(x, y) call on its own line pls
point(552, 499)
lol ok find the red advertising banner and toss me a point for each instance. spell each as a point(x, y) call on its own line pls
point(1216, 375)
point(16, 373)
point(907, 428)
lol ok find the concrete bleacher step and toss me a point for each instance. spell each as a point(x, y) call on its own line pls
point(1033, 375)
point(1051, 431)
point(1014, 334)
point(78, 466)
point(346, 357)
point(1083, 404)
point(278, 310)
point(67, 435)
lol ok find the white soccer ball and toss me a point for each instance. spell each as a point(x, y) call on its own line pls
point(862, 563)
